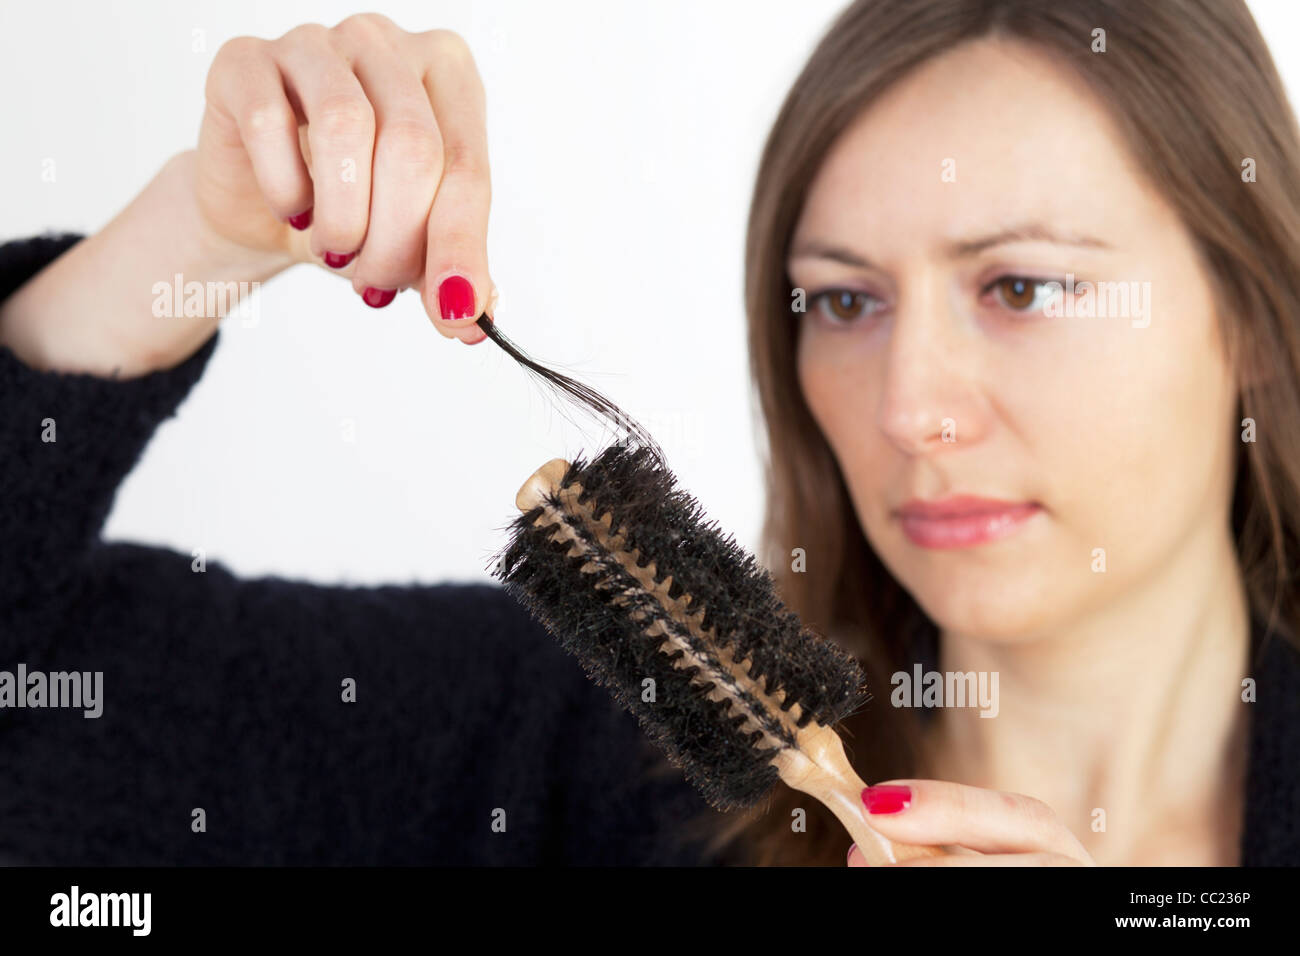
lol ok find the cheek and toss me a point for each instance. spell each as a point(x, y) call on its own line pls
point(1132, 435)
point(840, 382)
point(838, 377)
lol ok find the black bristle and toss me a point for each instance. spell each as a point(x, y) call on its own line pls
point(667, 526)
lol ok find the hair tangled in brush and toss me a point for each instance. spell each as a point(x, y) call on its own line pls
point(720, 606)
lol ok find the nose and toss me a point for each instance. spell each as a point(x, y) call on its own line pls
point(931, 400)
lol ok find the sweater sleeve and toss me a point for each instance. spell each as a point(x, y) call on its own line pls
point(66, 443)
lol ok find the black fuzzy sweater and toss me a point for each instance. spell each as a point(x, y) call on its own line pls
point(224, 694)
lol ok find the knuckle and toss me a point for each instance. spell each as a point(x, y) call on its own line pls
point(304, 34)
point(413, 143)
point(382, 21)
point(1035, 809)
point(961, 803)
point(462, 160)
point(238, 50)
point(267, 118)
point(448, 45)
point(345, 118)
point(1036, 814)
point(364, 26)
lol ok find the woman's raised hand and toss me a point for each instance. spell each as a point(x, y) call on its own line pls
point(359, 147)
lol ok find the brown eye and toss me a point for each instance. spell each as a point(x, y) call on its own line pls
point(845, 304)
point(1017, 293)
point(1021, 294)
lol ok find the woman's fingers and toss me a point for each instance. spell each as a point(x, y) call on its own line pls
point(373, 137)
point(408, 157)
point(934, 812)
point(999, 859)
point(996, 859)
point(253, 124)
point(340, 138)
point(457, 286)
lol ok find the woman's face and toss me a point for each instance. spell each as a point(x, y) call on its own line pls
point(935, 373)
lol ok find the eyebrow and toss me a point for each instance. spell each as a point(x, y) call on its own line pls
point(956, 249)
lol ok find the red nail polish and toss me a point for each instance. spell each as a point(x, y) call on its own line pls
point(378, 298)
point(456, 298)
point(886, 799)
point(302, 220)
point(337, 260)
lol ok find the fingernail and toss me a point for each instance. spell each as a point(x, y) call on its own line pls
point(887, 799)
point(455, 298)
point(848, 856)
point(302, 220)
point(378, 298)
point(337, 260)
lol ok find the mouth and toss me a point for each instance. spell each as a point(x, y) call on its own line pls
point(962, 521)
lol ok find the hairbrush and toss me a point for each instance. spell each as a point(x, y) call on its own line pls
point(622, 567)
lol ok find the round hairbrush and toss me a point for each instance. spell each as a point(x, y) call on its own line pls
point(685, 629)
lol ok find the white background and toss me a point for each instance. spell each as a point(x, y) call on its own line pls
point(623, 140)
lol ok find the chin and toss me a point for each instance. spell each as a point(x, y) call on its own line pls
point(996, 610)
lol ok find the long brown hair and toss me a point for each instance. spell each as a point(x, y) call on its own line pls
point(1195, 92)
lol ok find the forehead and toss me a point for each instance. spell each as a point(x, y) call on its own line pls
point(1022, 138)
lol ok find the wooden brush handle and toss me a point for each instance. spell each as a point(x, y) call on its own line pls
point(820, 768)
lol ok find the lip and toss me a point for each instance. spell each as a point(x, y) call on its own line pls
point(963, 521)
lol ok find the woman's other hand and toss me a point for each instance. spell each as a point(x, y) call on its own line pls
point(1003, 829)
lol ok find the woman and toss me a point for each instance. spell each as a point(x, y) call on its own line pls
point(974, 468)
